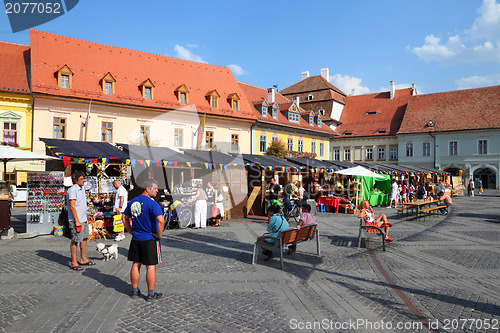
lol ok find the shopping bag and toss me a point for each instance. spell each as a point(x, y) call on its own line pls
point(215, 211)
point(118, 223)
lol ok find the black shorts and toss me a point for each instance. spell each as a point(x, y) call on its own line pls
point(146, 252)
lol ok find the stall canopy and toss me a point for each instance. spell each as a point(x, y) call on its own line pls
point(312, 163)
point(214, 158)
point(341, 164)
point(269, 161)
point(10, 154)
point(83, 151)
point(156, 154)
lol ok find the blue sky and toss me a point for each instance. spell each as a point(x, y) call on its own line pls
point(438, 45)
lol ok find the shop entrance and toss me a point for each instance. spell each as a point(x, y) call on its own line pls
point(487, 176)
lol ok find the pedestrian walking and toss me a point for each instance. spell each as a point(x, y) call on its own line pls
point(121, 198)
point(146, 230)
point(470, 188)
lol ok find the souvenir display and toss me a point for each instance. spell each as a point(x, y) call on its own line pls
point(45, 200)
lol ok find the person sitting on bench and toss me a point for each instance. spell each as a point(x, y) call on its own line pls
point(445, 200)
point(367, 215)
point(277, 223)
point(306, 218)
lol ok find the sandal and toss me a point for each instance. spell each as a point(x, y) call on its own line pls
point(90, 263)
point(76, 268)
point(388, 240)
point(389, 224)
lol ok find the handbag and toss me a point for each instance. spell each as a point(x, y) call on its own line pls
point(118, 223)
point(215, 211)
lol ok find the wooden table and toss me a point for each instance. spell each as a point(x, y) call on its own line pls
point(418, 204)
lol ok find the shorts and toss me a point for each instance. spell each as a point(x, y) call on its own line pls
point(404, 195)
point(146, 252)
point(79, 237)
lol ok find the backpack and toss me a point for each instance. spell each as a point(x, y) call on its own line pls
point(305, 195)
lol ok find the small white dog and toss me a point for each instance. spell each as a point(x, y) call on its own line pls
point(110, 252)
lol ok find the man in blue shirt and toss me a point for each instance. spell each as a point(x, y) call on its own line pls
point(146, 230)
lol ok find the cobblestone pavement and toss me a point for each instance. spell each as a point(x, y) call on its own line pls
point(438, 275)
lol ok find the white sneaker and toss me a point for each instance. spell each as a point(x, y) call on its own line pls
point(119, 238)
point(389, 207)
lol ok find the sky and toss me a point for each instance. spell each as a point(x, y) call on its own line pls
point(437, 45)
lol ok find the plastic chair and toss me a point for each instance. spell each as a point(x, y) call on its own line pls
point(321, 207)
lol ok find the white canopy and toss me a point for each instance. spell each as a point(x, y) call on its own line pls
point(11, 154)
point(359, 171)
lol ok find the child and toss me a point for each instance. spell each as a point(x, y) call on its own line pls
point(306, 218)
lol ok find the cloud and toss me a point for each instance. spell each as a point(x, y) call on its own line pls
point(479, 44)
point(478, 81)
point(237, 70)
point(347, 84)
point(187, 54)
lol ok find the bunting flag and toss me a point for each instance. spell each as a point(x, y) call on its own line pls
point(225, 167)
point(157, 163)
point(148, 162)
point(170, 163)
point(141, 161)
point(75, 159)
point(87, 160)
point(133, 161)
point(127, 161)
point(93, 160)
point(206, 165)
point(164, 163)
point(175, 163)
point(81, 160)
point(188, 164)
point(66, 160)
point(201, 130)
point(221, 167)
point(210, 165)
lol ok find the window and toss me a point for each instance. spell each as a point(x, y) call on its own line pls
point(147, 93)
point(10, 133)
point(426, 149)
point(310, 97)
point(209, 139)
point(65, 81)
point(293, 117)
point(183, 98)
point(275, 138)
point(264, 111)
point(347, 154)
point(336, 154)
point(409, 149)
point(381, 154)
point(369, 154)
point(108, 88)
point(59, 126)
point(275, 112)
point(453, 148)
point(235, 138)
point(300, 145)
point(311, 120)
point(319, 121)
point(178, 137)
point(482, 148)
point(313, 147)
point(144, 133)
point(235, 105)
point(321, 149)
point(393, 153)
point(107, 131)
point(214, 102)
point(263, 143)
point(290, 144)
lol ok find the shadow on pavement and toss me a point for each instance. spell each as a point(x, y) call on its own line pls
point(108, 280)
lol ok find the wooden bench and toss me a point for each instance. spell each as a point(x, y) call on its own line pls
point(370, 230)
point(287, 237)
point(428, 211)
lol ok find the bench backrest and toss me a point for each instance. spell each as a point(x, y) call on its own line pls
point(289, 236)
point(297, 235)
point(306, 232)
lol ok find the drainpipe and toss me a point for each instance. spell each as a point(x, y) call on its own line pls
point(251, 137)
point(434, 137)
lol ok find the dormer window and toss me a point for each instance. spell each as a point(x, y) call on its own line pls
point(311, 118)
point(293, 114)
point(147, 89)
point(213, 98)
point(108, 84)
point(310, 97)
point(371, 112)
point(264, 111)
point(234, 100)
point(275, 111)
point(321, 112)
point(381, 132)
point(348, 133)
point(318, 121)
point(182, 94)
point(65, 77)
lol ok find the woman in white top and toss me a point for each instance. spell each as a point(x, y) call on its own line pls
point(394, 194)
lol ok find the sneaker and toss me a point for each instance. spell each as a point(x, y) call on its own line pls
point(150, 298)
point(135, 294)
point(119, 238)
point(389, 207)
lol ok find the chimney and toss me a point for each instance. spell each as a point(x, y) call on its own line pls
point(305, 75)
point(271, 95)
point(297, 101)
point(414, 89)
point(393, 89)
point(325, 73)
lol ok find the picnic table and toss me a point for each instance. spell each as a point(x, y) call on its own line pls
point(420, 204)
point(330, 202)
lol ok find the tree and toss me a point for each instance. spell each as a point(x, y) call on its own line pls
point(278, 149)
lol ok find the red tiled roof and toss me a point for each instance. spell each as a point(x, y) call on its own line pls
point(364, 115)
point(310, 84)
point(90, 62)
point(453, 110)
point(14, 68)
point(258, 94)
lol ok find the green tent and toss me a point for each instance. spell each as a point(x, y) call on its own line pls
point(379, 197)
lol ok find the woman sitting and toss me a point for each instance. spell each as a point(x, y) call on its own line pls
point(367, 215)
point(277, 223)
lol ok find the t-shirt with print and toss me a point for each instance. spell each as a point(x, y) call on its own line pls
point(143, 211)
point(307, 219)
